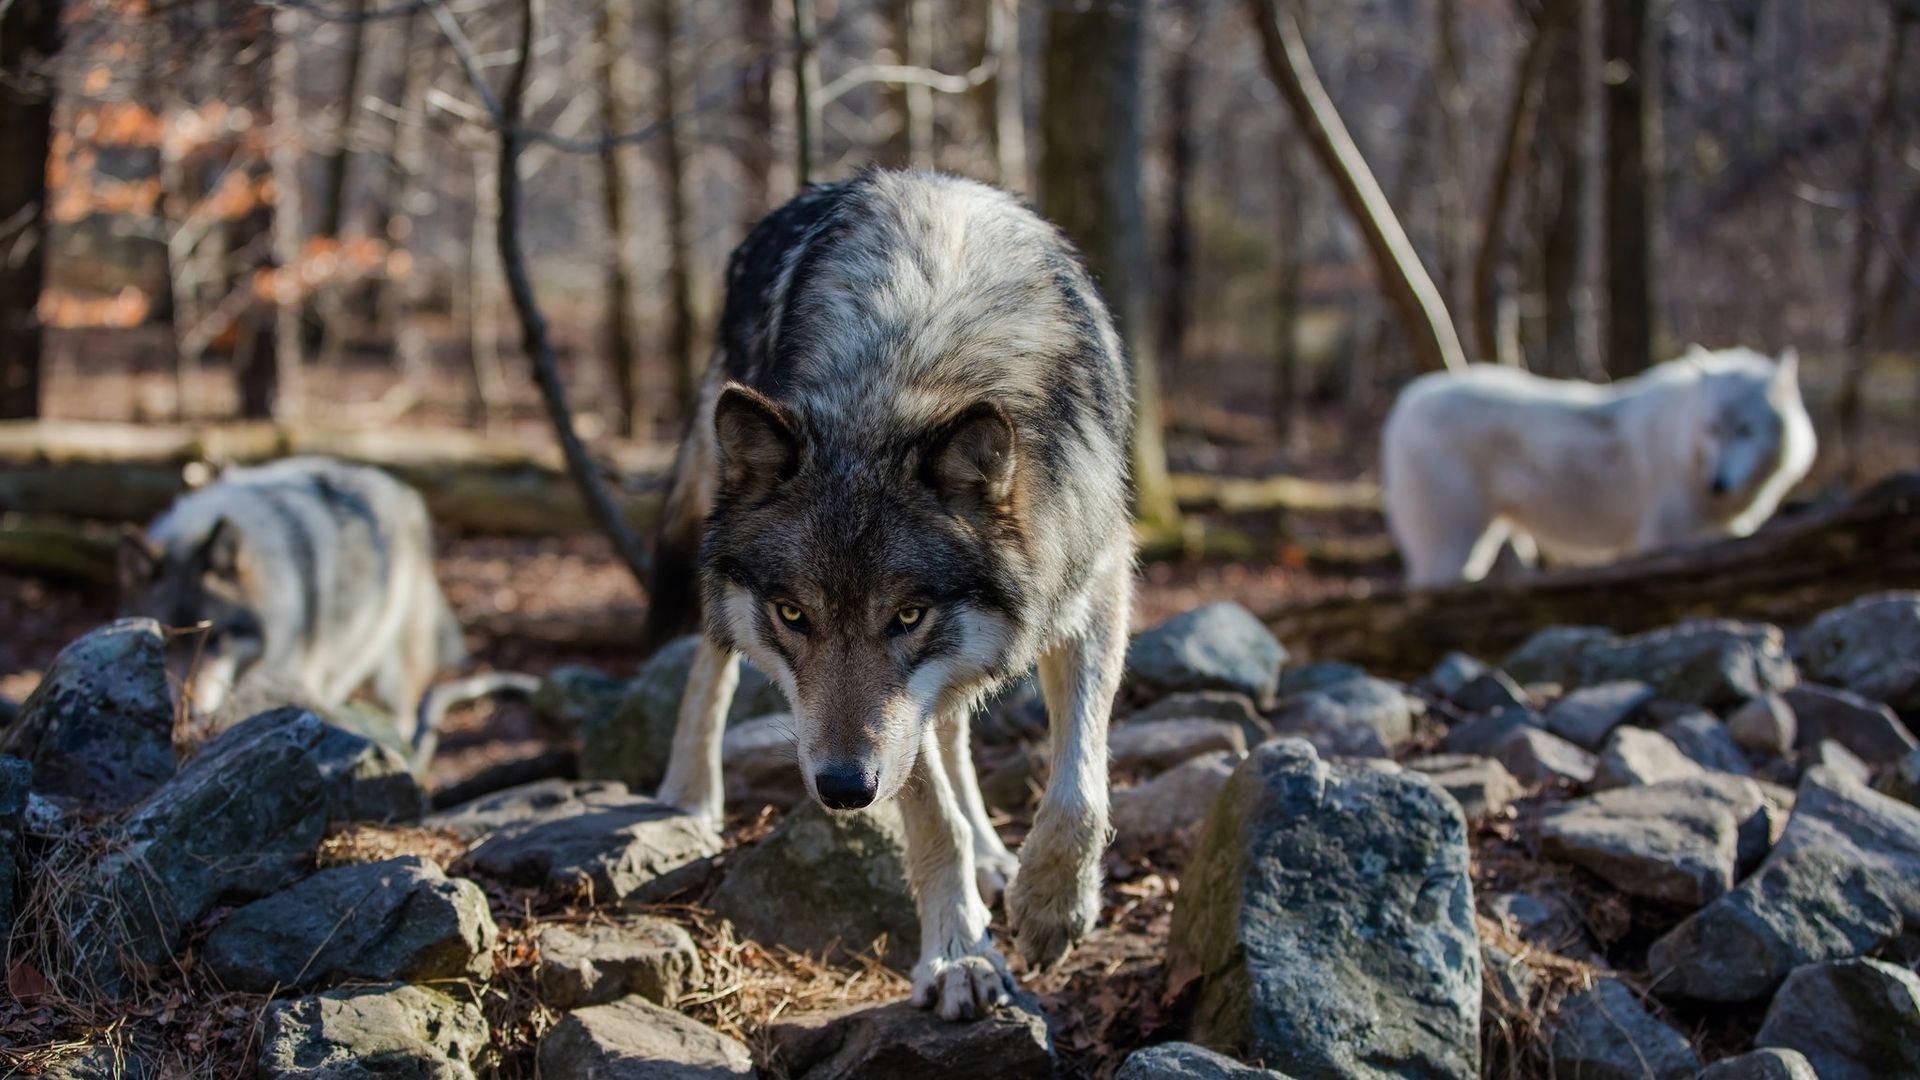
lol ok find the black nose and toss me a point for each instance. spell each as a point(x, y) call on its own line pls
point(846, 788)
point(1719, 485)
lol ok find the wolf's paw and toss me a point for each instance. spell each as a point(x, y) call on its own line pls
point(993, 872)
point(1047, 923)
point(963, 987)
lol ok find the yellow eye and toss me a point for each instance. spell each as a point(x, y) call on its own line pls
point(791, 614)
point(910, 616)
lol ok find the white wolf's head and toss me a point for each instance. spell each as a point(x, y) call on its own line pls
point(1753, 439)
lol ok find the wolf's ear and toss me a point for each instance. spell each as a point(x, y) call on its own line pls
point(137, 561)
point(758, 445)
point(220, 551)
point(971, 463)
point(1787, 369)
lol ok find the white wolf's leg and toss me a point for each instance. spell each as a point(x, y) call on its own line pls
point(694, 782)
point(1056, 898)
point(1485, 550)
point(960, 974)
point(993, 864)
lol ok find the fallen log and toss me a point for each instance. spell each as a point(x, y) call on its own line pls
point(1786, 574)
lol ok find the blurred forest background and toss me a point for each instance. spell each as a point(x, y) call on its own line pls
point(291, 213)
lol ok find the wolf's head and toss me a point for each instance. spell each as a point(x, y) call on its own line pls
point(1753, 427)
point(197, 587)
point(878, 582)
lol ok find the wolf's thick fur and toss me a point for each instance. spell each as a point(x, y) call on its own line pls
point(906, 485)
point(311, 575)
point(1703, 446)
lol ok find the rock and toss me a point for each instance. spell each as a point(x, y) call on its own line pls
point(1635, 756)
point(571, 698)
point(632, 742)
point(1603, 1033)
point(898, 1040)
point(98, 730)
point(1016, 782)
point(1328, 918)
point(1843, 880)
point(1482, 733)
point(761, 764)
point(1306, 678)
point(1362, 717)
point(1538, 757)
point(1867, 728)
point(1159, 746)
point(1761, 1065)
point(1015, 713)
point(1710, 662)
point(1871, 647)
point(392, 1032)
point(1702, 738)
point(1490, 690)
point(1169, 808)
point(1455, 670)
point(611, 847)
point(368, 781)
point(1678, 842)
point(1481, 785)
point(634, 1039)
point(541, 800)
point(596, 963)
point(16, 778)
point(1221, 646)
point(1554, 654)
point(1764, 725)
point(1852, 1020)
point(1902, 781)
point(1588, 715)
point(104, 1061)
point(237, 822)
point(409, 923)
point(1550, 924)
point(1509, 979)
point(1185, 1061)
point(852, 867)
point(1832, 755)
point(1224, 705)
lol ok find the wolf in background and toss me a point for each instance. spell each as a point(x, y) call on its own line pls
point(1699, 447)
point(905, 485)
point(310, 576)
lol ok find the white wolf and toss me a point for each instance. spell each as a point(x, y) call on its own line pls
point(1699, 447)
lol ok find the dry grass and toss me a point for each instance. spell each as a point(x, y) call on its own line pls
point(364, 843)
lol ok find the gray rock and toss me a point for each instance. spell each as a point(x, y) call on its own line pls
point(612, 847)
point(1588, 715)
point(1678, 842)
point(1221, 646)
point(850, 866)
point(108, 1061)
point(1482, 734)
point(1711, 662)
point(1481, 785)
point(1554, 654)
point(634, 1039)
point(1455, 670)
point(1540, 757)
point(1700, 736)
point(1867, 728)
point(1318, 675)
point(1327, 917)
point(1871, 647)
point(1509, 978)
point(98, 730)
point(1169, 808)
point(898, 1040)
point(1015, 713)
point(1843, 880)
point(1830, 754)
point(367, 781)
point(362, 1033)
point(761, 764)
point(1770, 1064)
point(1015, 783)
point(572, 698)
point(1224, 705)
point(1490, 690)
point(1852, 1020)
point(1159, 746)
point(1902, 781)
point(16, 778)
point(632, 742)
point(597, 963)
point(237, 822)
point(1764, 725)
point(1363, 717)
point(1185, 1061)
point(1603, 1033)
point(1635, 756)
point(541, 800)
point(1551, 924)
point(401, 920)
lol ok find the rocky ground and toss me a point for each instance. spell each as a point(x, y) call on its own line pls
point(1693, 852)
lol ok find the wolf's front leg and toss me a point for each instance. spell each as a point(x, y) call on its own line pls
point(694, 781)
point(993, 864)
point(960, 974)
point(1055, 899)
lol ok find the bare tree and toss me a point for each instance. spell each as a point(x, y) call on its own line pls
point(756, 137)
point(1176, 293)
point(1090, 119)
point(1563, 162)
point(669, 91)
point(1632, 181)
point(806, 90)
point(402, 300)
point(288, 238)
point(618, 98)
point(1009, 102)
point(29, 38)
point(919, 96)
point(1417, 302)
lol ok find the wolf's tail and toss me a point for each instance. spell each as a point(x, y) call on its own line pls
point(442, 699)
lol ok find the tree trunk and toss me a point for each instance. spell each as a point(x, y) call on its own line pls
point(29, 37)
point(919, 96)
point(1009, 100)
point(673, 168)
point(1450, 220)
point(1562, 166)
point(755, 111)
point(403, 299)
point(326, 314)
point(1422, 313)
point(1632, 182)
point(806, 88)
point(1176, 293)
point(618, 104)
point(482, 306)
point(1291, 262)
point(1090, 186)
point(283, 162)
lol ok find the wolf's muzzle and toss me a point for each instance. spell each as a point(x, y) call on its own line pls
point(846, 787)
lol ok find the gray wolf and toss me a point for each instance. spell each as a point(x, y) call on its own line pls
point(906, 484)
point(308, 575)
point(1699, 447)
